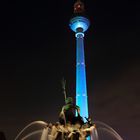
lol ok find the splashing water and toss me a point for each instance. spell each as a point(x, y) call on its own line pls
point(99, 131)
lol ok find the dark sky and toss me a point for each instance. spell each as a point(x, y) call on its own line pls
point(37, 49)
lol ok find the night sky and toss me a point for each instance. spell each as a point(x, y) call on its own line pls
point(37, 49)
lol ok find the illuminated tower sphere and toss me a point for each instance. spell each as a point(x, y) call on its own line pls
point(79, 24)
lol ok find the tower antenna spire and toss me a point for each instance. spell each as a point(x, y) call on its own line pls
point(79, 7)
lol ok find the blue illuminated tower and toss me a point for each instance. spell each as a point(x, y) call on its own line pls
point(79, 24)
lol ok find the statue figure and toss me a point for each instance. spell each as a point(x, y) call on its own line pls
point(67, 114)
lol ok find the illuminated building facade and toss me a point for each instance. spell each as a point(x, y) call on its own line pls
point(79, 24)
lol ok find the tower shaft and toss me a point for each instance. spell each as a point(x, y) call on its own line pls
point(81, 89)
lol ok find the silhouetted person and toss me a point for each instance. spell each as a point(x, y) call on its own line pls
point(2, 136)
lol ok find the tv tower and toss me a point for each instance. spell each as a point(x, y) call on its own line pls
point(79, 24)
